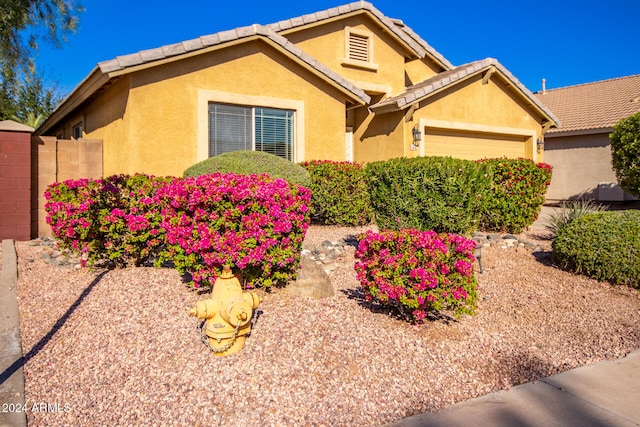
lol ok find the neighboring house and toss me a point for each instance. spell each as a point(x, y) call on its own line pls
point(580, 150)
point(347, 83)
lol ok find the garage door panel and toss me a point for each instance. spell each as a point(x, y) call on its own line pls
point(472, 146)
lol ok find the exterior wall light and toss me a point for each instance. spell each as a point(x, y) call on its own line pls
point(417, 137)
point(540, 145)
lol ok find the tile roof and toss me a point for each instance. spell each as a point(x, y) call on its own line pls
point(397, 27)
point(596, 105)
point(121, 63)
point(424, 89)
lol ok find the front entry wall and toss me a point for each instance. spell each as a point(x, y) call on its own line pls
point(164, 129)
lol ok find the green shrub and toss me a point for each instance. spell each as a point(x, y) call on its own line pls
point(517, 194)
point(427, 193)
point(338, 193)
point(247, 162)
point(625, 152)
point(602, 245)
point(570, 211)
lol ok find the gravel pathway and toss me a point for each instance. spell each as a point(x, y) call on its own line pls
point(117, 348)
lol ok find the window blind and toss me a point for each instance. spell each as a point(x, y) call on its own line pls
point(235, 127)
point(274, 132)
point(229, 128)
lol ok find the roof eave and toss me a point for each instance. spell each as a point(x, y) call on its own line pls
point(413, 48)
point(359, 98)
point(397, 106)
point(90, 85)
point(108, 70)
point(522, 92)
point(579, 132)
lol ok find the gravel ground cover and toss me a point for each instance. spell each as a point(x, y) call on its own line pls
point(117, 348)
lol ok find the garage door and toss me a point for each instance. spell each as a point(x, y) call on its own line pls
point(473, 145)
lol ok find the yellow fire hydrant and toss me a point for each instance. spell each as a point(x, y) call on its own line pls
point(228, 314)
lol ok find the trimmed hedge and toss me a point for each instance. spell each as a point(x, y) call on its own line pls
point(428, 193)
point(338, 193)
point(602, 245)
point(518, 189)
point(248, 162)
point(254, 223)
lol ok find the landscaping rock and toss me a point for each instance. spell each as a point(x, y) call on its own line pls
point(313, 281)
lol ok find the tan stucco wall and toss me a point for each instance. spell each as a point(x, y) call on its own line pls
point(154, 127)
point(155, 120)
point(327, 43)
point(579, 163)
point(419, 70)
point(377, 137)
point(489, 108)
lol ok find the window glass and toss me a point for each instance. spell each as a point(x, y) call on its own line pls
point(234, 127)
point(274, 132)
point(77, 131)
point(229, 128)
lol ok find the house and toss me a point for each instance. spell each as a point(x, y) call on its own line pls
point(579, 149)
point(347, 83)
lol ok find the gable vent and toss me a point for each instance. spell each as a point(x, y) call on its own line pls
point(358, 47)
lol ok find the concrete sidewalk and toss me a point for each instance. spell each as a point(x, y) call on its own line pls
point(11, 373)
point(603, 394)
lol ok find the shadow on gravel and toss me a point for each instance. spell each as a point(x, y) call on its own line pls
point(351, 240)
point(519, 367)
point(54, 329)
point(544, 258)
point(357, 294)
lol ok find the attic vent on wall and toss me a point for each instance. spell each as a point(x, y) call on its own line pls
point(359, 49)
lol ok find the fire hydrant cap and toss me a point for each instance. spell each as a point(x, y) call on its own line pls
point(226, 272)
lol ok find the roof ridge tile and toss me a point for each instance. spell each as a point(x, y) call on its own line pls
point(446, 78)
point(597, 82)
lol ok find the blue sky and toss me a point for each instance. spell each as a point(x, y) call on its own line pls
point(564, 41)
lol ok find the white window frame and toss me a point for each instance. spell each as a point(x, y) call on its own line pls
point(352, 52)
point(208, 96)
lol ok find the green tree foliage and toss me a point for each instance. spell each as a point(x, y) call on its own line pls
point(24, 95)
point(625, 153)
point(24, 22)
point(29, 100)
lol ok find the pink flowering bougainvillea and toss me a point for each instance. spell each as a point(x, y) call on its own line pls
point(417, 272)
point(254, 223)
point(111, 219)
